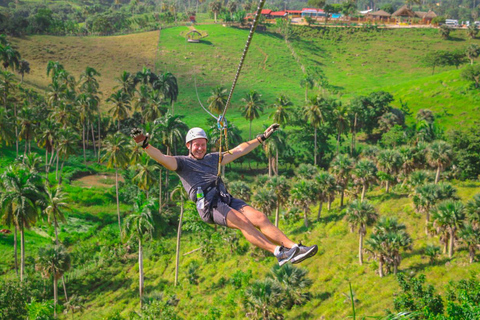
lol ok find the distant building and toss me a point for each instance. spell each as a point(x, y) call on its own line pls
point(378, 15)
point(294, 13)
point(278, 14)
point(314, 13)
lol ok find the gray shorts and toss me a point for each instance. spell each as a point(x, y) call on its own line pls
point(218, 215)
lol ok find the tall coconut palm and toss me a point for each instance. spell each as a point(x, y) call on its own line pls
point(181, 195)
point(389, 161)
point(53, 261)
point(120, 106)
point(449, 215)
point(170, 130)
point(365, 172)
point(168, 87)
point(139, 226)
point(281, 188)
point(282, 111)
point(253, 107)
point(217, 100)
point(145, 173)
point(55, 68)
point(341, 114)
point(127, 83)
point(84, 109)
point(302, 195)
point(21, 194)
point(155, 107)
point(314, 115)
point(88, 81)
point(439, 155)
point(67, 143)
point(361, 214)
point(10, 57)
point(45, 139)
point(325, 187)
point(307, 82)
point(341, 166)
point(471, 237)
point(274, 147)
point(55, 203)
point(116, 156)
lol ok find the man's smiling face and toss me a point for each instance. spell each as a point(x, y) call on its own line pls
point(197, 148)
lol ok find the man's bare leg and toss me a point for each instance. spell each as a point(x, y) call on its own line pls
point(237, 220)
point(260, 220)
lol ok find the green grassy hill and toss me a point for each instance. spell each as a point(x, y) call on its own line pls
point(355, 61)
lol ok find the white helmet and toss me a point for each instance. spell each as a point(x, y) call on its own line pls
point(195, 133)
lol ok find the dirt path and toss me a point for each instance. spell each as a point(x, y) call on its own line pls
point(99, 180)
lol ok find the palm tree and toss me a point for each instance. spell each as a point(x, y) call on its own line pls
point(472, 30)
point(45, 139)
point(127, 83)
point(307, 82)
point(6, 129)
point(88, 82)
point(26, 119)
point(341, 167)
point(53, 261)
point(253, 107)
point(473, 210)
point(217, 100)
point(216, 7)
point(424, 198)
point(471, 237)
point(7, 215)
point(472, 52)
point(281, 188)
point(273, 147)
point(139, 225)
point(23, 67)
point(449, 215)
point(341, 113)
point(142, 100)
point(170, 130)
point(389, 161)
point(116, 154)
point(21, 194)
point(365, 173)
point(9, 56)
point(55, 203)
point(239, 189)
point(432, 252)
point(294, 282)
point(361, 214)
point(282, 112)
point(315, 115)
point(265, 200)
point(375, 246)
point(120, 106)
point(264, 298)
point(145, 173)
point(439, 155)
point(55, 67)
point(302, 195)
point(181, 195)
point(168, 86)
point(326, 187)
point(66, 146)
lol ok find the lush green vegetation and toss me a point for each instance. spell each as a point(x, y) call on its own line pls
point(412, 169)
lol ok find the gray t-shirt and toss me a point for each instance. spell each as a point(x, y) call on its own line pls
point(196, 173)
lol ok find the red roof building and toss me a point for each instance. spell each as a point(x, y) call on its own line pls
point(278, 14)
point(266, 12)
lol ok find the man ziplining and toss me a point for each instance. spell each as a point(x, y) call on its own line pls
point(198, 173)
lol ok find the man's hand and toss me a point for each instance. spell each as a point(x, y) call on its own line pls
point(267, 133)
point(140, 139)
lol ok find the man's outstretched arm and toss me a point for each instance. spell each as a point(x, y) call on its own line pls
point(168, 162)
point(245, 147)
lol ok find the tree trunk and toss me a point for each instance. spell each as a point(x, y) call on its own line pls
point(319, 210)
point(277, 214)
point(93, 141)
point(305, 217)
point(354, 131)
point(387, 186)
point(118, 201)
point(15, 249)
point(55, 295)
point(380, 269)
point(269, 166)
point(364, 188)
point(64, 288)
point(99, 136)
point(83, 139)
point(315, 147)
point(56, 229)
point(471, 252)
point(179, 234)
point(16, 128)
point(437, 176)
point(160, 192)
point(360, 249)
point(61, 172)
point(56, 169)
point(140, 271)
point(22, 251)
point(329, 205)
point(450, 247)
point(276, 162)
point(342, 194)
point(46, 163)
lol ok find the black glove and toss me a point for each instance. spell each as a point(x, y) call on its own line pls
point(139, 137)
point(267, 133)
